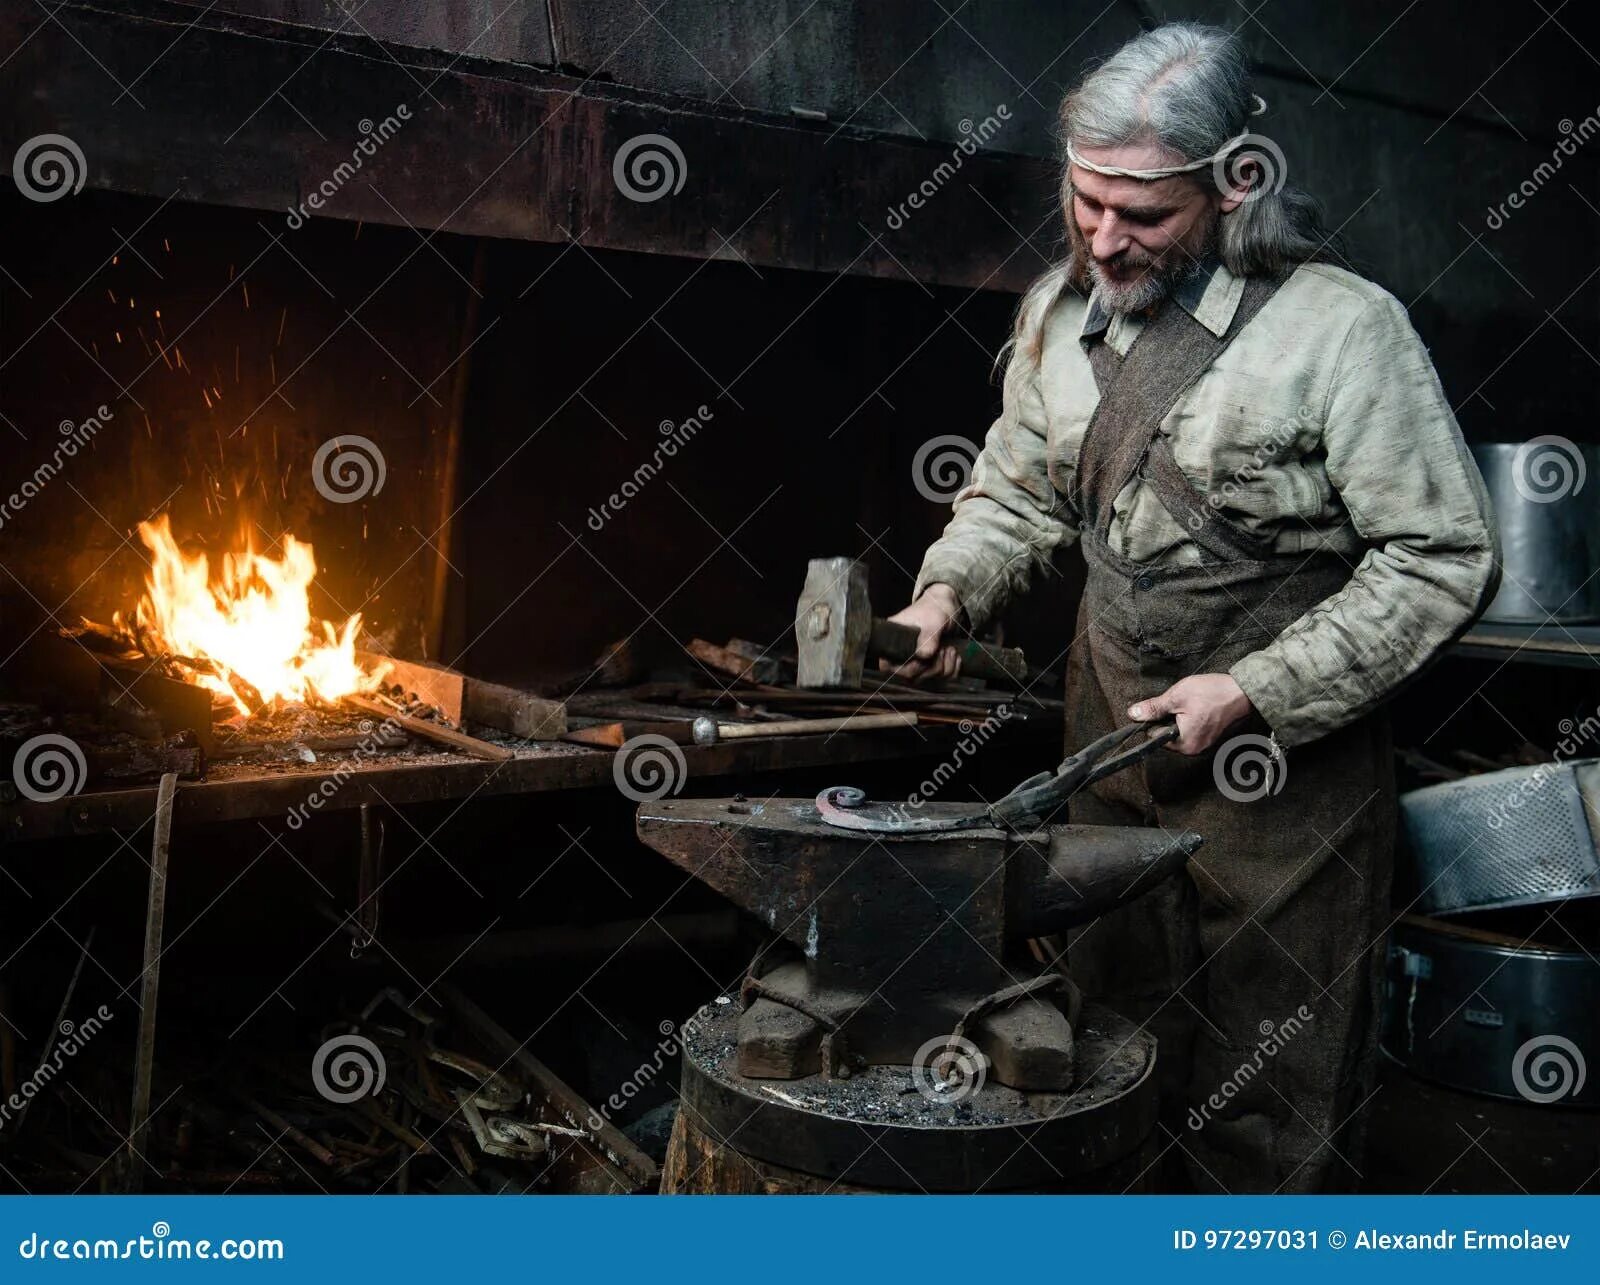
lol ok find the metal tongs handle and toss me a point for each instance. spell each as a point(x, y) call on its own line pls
point(1041, 795)
point(1163, 731)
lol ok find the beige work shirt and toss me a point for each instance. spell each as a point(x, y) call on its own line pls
point(1322, 426)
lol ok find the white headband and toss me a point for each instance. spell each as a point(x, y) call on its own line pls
point(1117, 171)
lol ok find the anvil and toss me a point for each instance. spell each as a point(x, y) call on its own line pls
point(895, 944)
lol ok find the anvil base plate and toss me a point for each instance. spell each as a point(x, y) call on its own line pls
point(996, 1140)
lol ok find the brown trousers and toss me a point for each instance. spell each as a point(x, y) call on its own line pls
point(1259, 972)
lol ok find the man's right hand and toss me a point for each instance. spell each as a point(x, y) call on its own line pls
point(932, 616)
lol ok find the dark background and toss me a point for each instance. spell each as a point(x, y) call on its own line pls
point(1407, 122)
point(481, 293)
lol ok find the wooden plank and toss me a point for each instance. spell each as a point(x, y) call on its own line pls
point(431, 731)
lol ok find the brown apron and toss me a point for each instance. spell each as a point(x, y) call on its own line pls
point(1259, 973)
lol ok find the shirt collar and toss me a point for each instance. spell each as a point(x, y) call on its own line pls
point(1210, 296)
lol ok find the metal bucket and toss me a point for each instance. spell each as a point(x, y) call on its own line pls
point(1518, 837)
point(1481, 1012)
point(1546, 495)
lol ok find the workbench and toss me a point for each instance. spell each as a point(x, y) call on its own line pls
point(239, 792)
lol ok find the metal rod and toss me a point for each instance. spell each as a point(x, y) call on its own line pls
point(61, 1017)
point(150, 984)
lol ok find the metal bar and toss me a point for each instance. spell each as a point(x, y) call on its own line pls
point(155, 916)
point(61, 1017)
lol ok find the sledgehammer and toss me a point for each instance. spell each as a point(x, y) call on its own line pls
point(836, 633)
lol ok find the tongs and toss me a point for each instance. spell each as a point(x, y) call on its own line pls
point(1020, 810)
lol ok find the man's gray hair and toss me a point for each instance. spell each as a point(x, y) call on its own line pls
point(1186, 88)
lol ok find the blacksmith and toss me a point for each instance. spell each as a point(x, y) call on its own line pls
point(1281, 527)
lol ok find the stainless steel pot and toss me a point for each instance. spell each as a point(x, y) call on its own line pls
point(1546, 495)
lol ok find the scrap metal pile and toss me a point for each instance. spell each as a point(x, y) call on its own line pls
point(401, 1097)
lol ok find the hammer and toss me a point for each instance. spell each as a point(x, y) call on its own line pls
point(707, 731)
point(836, 633)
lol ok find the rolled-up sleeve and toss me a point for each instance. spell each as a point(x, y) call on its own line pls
point(1009, 519)
point(1413, 493)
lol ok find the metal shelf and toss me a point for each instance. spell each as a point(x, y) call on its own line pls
point(1566, 646)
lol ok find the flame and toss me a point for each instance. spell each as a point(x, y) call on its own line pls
point(253, 623)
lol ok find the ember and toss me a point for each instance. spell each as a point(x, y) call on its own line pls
point(248, 634)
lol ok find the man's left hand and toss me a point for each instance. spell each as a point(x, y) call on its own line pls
point(1206, 706)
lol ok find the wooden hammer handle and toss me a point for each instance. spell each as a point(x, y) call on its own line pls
point(897, 643)
point(805, 726)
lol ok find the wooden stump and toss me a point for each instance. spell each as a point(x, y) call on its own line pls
point(698, 1164)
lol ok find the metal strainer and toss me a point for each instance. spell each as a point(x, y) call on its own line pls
point(1517, 837)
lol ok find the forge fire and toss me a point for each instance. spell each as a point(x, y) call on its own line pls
point(244, 629)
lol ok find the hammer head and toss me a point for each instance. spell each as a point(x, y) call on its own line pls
point(833, 622)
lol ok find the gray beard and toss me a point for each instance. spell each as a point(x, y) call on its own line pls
point(1153, 287)
point(1145, 293)
point(1140, 296)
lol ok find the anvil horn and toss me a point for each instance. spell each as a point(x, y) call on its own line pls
point(1083, 871)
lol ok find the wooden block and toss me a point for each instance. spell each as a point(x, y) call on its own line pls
point(521, 713)
point(763, 669)
point(463, 699)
